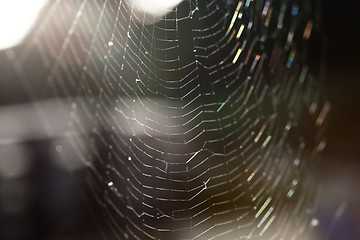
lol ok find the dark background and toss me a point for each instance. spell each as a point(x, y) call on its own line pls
point(341, 160)
point(341, 22)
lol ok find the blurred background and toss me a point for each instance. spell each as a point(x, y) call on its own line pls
point(341, 160)
point(43, 187)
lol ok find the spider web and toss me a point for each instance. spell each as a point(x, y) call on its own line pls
point(204, 123)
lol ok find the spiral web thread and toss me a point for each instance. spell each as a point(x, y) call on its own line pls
point(204, 123)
